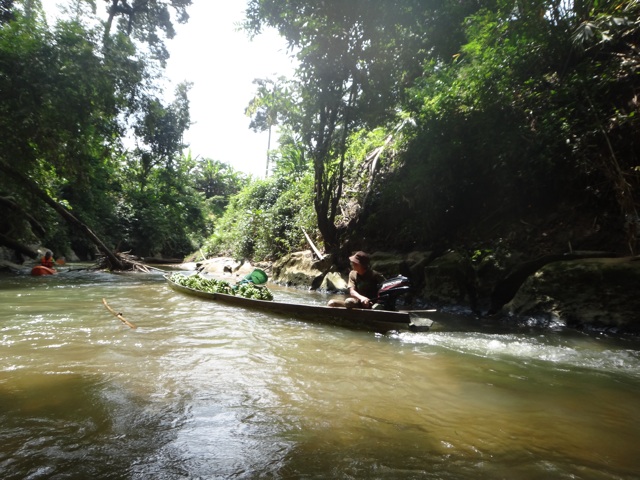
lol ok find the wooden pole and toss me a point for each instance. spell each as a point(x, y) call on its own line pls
point(118, 315)
point(313, 247)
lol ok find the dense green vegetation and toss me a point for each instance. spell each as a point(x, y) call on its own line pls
point(85, 125)
point(409, 124)
point(488, 114)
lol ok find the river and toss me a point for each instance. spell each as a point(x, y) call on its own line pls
point(207, 391)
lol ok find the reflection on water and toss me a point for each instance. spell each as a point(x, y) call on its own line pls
point(202, 390)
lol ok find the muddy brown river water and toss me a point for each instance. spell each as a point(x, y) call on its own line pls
point(202, 390)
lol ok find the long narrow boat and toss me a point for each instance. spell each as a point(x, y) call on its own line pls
point(372, 320)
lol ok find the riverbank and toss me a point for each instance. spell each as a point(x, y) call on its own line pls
point(595, 291)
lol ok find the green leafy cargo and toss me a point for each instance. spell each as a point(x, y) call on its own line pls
point(211, 285)
point(249, 290)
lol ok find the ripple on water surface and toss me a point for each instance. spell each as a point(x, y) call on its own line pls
point(200, 387)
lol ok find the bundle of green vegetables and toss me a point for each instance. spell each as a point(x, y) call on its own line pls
point(211, 285)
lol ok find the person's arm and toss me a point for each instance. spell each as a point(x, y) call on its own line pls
point(353, 292)
point(364, 300)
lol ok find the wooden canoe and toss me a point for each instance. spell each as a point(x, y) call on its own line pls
point(371, 320)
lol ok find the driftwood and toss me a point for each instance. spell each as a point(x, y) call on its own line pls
point(126, 262)
point(162, 261)
point(313, 247)
point(118, 315)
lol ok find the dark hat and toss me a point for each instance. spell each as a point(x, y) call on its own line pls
point(361, 257)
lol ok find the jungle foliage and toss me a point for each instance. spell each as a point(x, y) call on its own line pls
point(487, 114)
point(408, 124)
point(265, 220)
point(85, 123)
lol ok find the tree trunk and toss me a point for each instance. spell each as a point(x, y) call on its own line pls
point(329, 179)
point(64, 213)
point(109, 23)
point(266, 172)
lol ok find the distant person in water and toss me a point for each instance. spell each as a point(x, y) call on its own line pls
point(363, 283)
point(47, 260)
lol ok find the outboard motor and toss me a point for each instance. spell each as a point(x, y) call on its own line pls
point(390, 290)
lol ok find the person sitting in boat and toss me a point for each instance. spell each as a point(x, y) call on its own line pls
point(363, 283)
point(47, 260)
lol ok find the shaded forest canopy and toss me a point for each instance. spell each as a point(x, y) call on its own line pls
point(409, 125)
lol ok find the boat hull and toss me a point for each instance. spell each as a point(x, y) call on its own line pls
point(370, 320)
point(39, 270)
